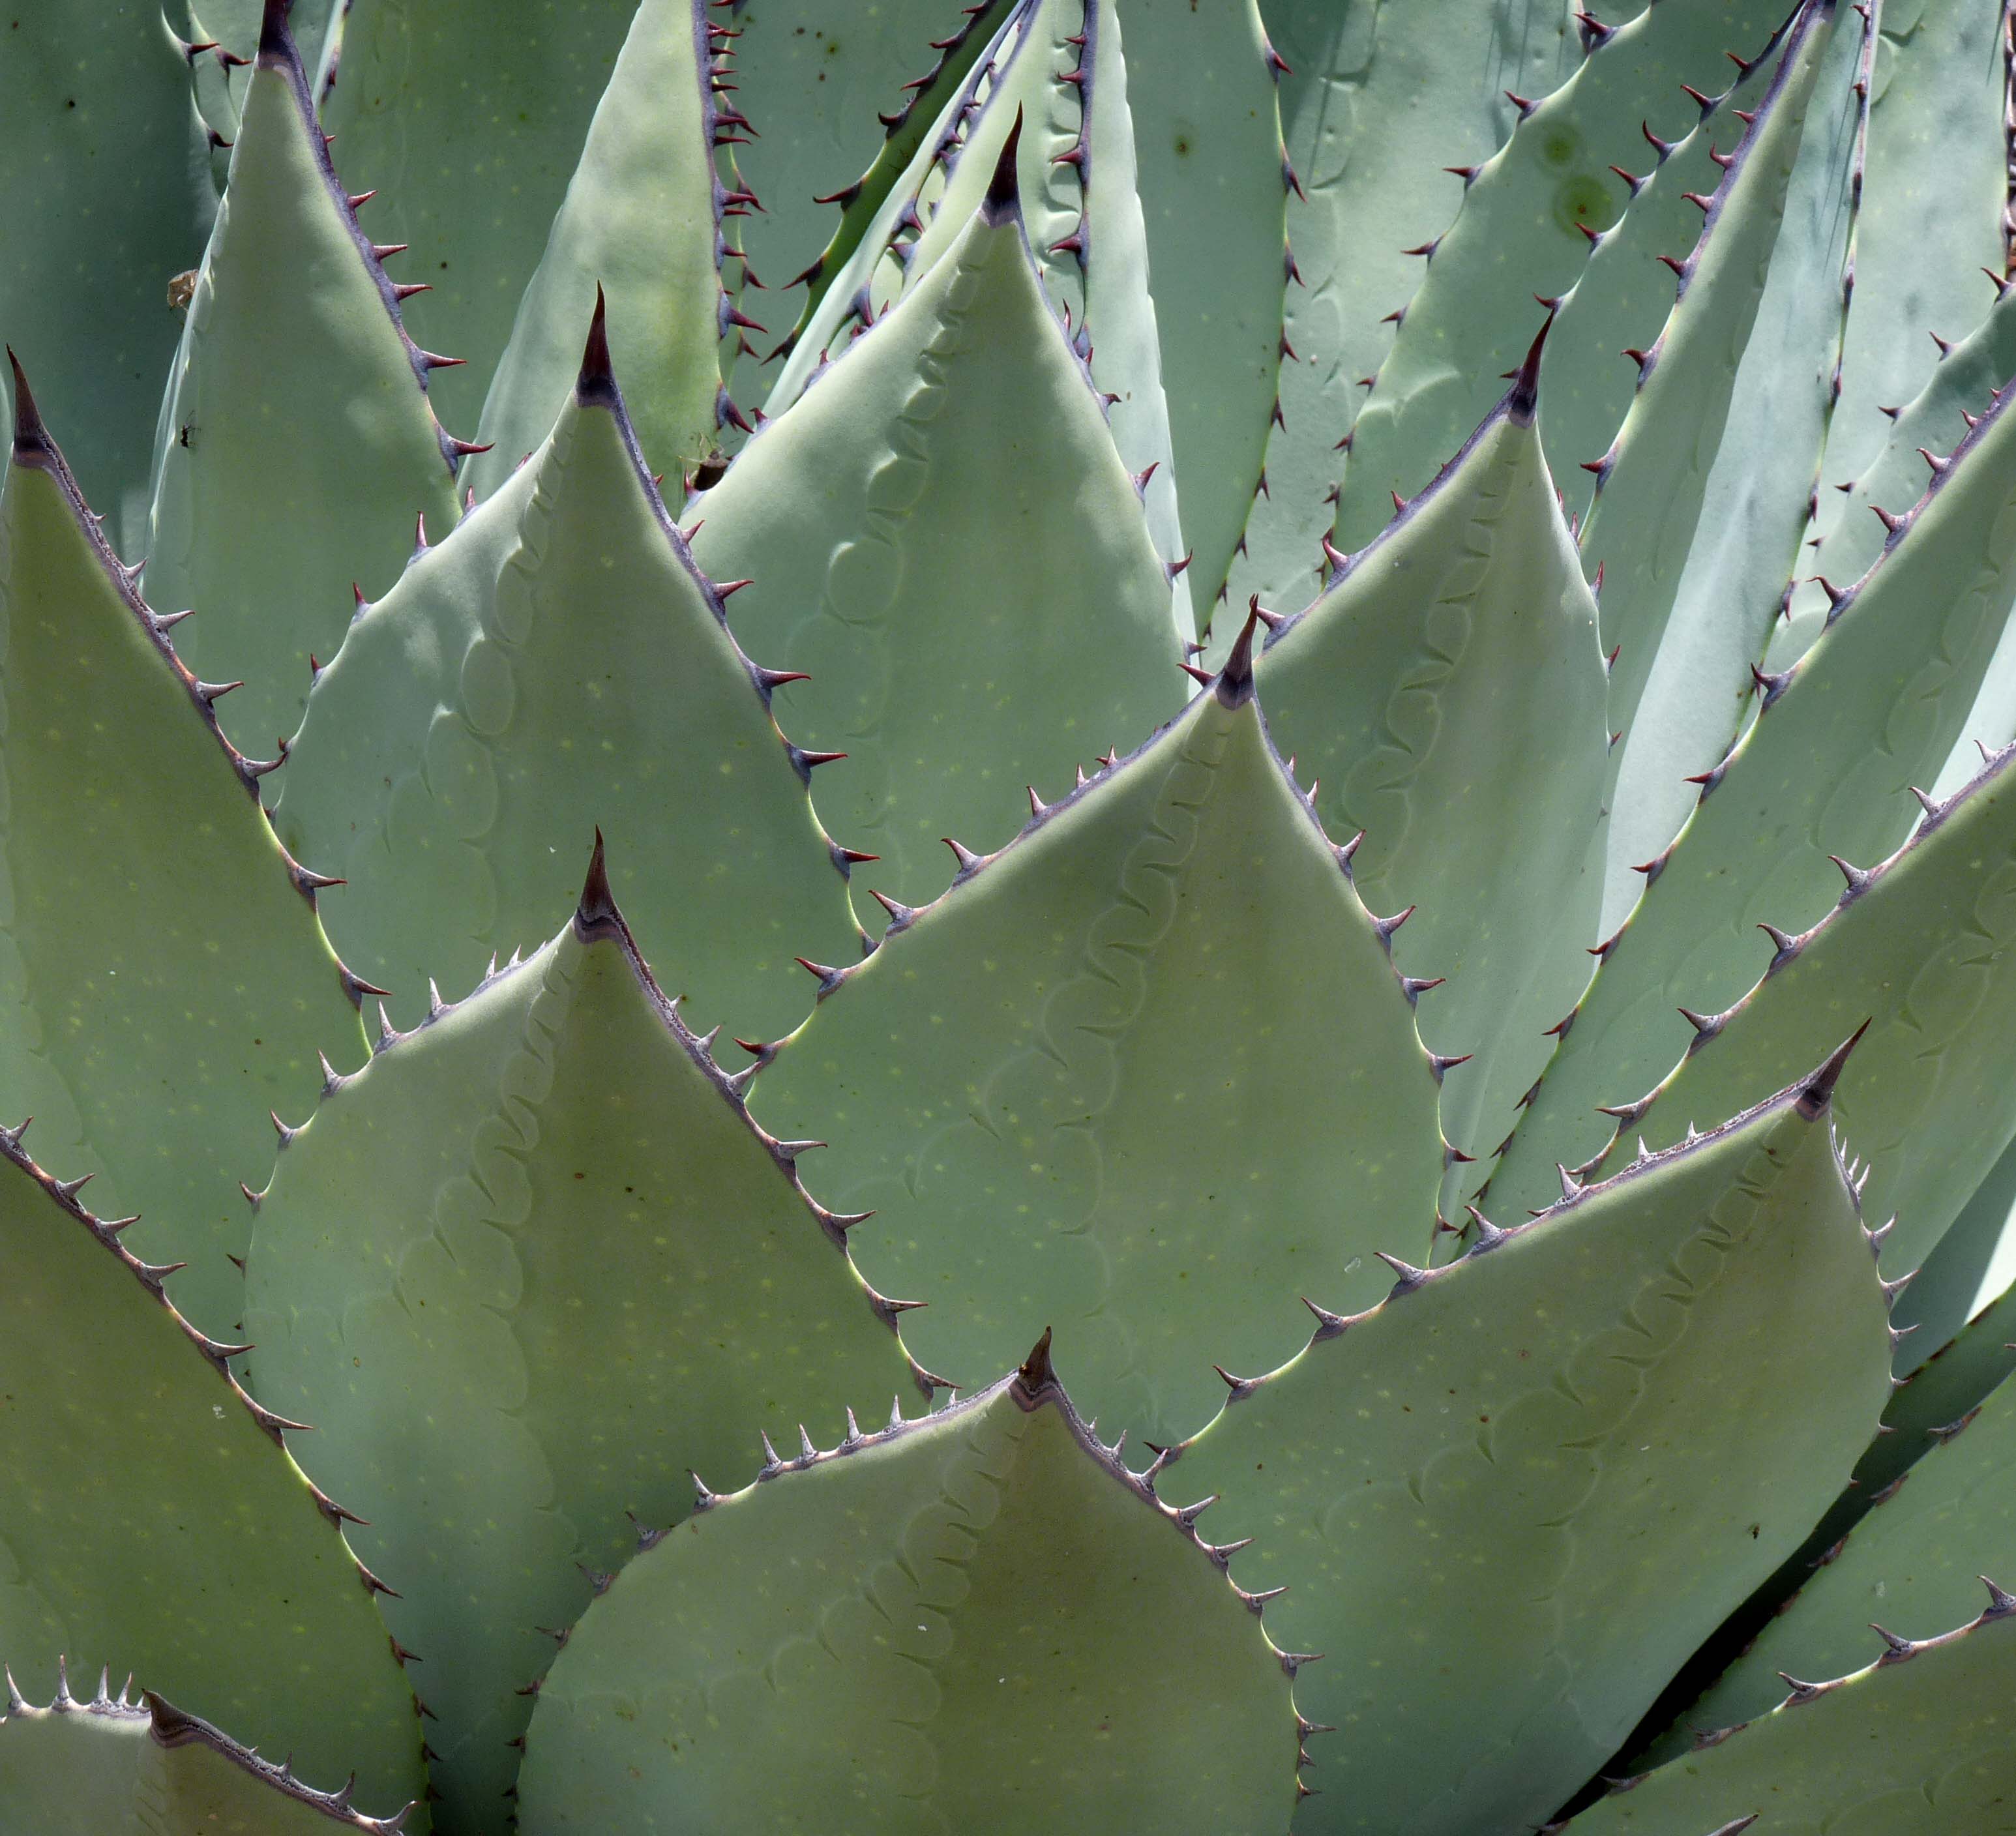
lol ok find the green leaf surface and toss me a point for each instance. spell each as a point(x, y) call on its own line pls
point(468, 125)
point(1519, 232)
point(1624, 294)
point(1915, 950)
point(1508, 1500)
point(1077, 187)
point(524, 1270)
point(1189, 173)
point(1892, 1547)
point(976, 1620)
point(510, 693)
point(1447, 694)
point(1146, 1075)
point(1373, 164)
point(1653, 479)
point(165, 979)
point(1936, 421)
point(639, 223)
point(1922, 1745)
point(1902, 660)
point(108, 200)
point(151, 1514)
point(1973, 1267)
point(840, 106)
point(941, 534)
point(107, 1767)
point(297, 445)
point(1936, 190)
point(1759, 497)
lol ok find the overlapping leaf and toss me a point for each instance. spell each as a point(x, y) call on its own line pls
point(1146, 1076)
point(150, 1516)
point(522, 1271)
point(1508, 1501)
point(296, 445)
point(511, 693)
point(165, 978)
point(978, 1620)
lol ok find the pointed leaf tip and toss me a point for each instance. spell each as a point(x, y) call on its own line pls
point(1235, 681)
point(1818, 1088)
point(1036, 1374)
point(30, 436)
point(1003, 199)
point(276, 37)
point(597, 910)
point(1523, 396)
point(597, 380)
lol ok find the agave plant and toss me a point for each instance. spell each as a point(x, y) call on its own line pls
point(1383, 1193)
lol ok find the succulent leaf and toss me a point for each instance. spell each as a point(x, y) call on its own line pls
point(1758, 498)
point(833, 93)
point(1506, 1499)
point(1929, 1508)
point(524, 1270)
point(1902, 660)
point(1055, 1088)
point(166, 977)
point(1197, 86)
point(954, 458)
point(1520, 231)
point(1915, 1743)
point(979, 1620)
point(1375, 174)
point(1936, 421)
point(1447, 694)
point(640, 222)
point(1933, 217)
point(149, 1511)
point(95, 128)
point(435, 107)
point(513, 688)
point(296, 445)
point(108, 1767)
point(1915, 947)
point(1654, 478)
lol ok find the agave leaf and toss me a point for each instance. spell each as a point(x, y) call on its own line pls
point(1197, 87)
point(108, 1767)
point(1510, 1499)
point(1914, 1743)
point(956, 457)
point(1146, 1074)
point(1447, 694)
point(433, 106)
point(1900, 1548)
point(511, 691)
point(525, 1269)
point(640, 221)
point(166, 978)
point(1804, 782)
point(100, 164)
point(1366, 152)
point(1519, 231)
point(1624, 294)
point(149, 1510)
point(1072, 1664)
point(263, 517)
point(1651, 484)
point(1972, 1268)
point(815, 89)
point(1758, 499)
point(1938, 187)
point(1026, 102)
point(1914, 952)
point(1936, 420)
